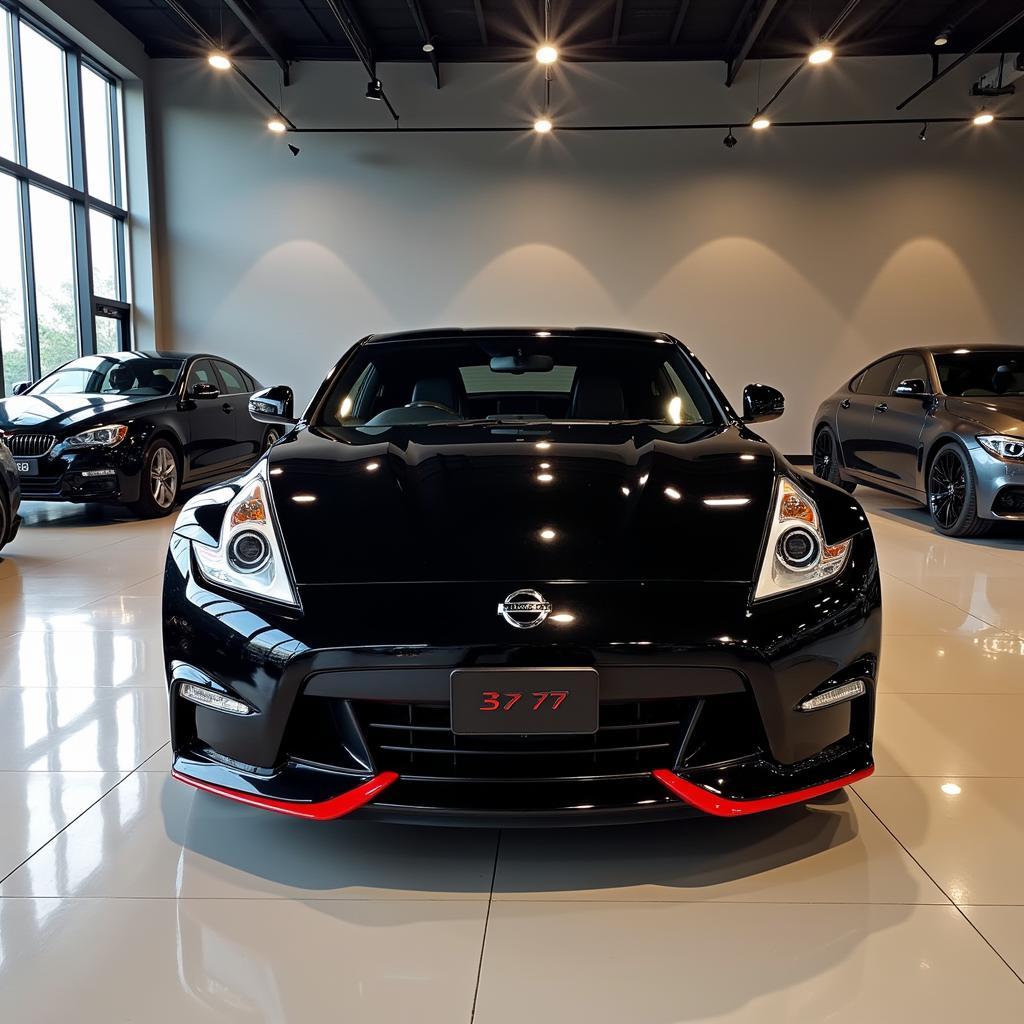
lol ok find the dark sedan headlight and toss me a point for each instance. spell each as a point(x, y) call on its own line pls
point(1002, 446)
point(98, 437)
point(796, 554)
point(249, 557)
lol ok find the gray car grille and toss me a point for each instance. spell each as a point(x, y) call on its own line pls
point(29, 446)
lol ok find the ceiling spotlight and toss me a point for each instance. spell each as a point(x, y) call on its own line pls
point(820, 55)
point(374, 90)
point(984, 117)
point(760, 122)
point(277, 126)
point(730, 140)
point(219, 60)
point(295, 149)
point(428, 47)
point(923, 134)
point(542, 126)
point(547, 54)
point(942, 39)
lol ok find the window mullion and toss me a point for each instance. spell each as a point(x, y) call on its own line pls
point(79, 179)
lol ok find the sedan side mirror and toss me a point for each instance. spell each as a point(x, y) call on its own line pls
point(204, 392)
point(274, 405)
point(760, 403)
point(21, 387)
point(914, 387)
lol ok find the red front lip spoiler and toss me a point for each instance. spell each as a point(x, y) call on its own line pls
point(324, 810)
point(722, 807)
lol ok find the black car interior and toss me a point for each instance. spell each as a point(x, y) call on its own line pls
point(981, 374)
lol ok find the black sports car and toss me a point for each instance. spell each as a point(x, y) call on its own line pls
point(10, 495)
point(132, 427)
point(518, 577)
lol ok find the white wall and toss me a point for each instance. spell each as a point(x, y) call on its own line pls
point(792, 259)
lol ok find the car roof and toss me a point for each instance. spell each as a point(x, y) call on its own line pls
point(471, 333)
point(987, 347)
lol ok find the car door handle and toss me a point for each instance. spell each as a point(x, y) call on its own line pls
point(227, 407)
point(881, 407)
point(844, 404)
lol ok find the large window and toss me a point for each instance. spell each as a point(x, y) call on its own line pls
point(63, 224)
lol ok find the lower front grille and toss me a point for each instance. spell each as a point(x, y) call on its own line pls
point(39, 485)
point(416, 741)
point(30, 446)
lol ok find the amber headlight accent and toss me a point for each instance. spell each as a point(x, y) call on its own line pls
point(796, 554)
point(98, 437)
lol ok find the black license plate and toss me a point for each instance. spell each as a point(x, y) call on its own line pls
point(524, 701)
point(27, 467)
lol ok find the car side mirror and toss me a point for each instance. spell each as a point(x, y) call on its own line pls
point(204, 392)
point(761, 402)
point(914, 386)
point(21, 387)
point(274, 405)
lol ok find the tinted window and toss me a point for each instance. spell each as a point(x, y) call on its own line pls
point(912, 367)
point(111, 375)
point(233, 383)
point(981, 374)
point(202, 373)
point(875, 380)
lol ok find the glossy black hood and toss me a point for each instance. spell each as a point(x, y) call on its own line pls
point(573, 502)
point(69, 414)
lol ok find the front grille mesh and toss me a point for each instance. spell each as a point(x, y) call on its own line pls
point(30, 446)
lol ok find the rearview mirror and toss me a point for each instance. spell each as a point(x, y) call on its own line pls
point(761, 402)
point(914, 386)
point(21, 387)
point(204, 392)
point(536, 363)
point(273, 405)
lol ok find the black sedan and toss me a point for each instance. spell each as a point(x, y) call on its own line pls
point(943, 425)
point(133, 428)
point(10, 495)
point(521, 577)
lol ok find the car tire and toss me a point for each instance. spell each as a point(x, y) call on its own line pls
point(270, 438)
point(5, 518)
point(825, 459)
point(159, 481)
point(953, 494)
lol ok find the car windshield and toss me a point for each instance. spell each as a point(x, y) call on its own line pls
point(981, 374)
point(517, 379)
point(135, 374)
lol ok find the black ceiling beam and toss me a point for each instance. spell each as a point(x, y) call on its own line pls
point(1006, 26)
point(416, 10)
point(481, 21)
point(351, 25)
point(764, 12)
point(248, 17)
point(677, 27)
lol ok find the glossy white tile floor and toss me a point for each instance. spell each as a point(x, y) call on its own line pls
point(125, 896)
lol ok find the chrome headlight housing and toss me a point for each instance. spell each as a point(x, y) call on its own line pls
point(98, 437)
point(796, 554)
point(1003, 446)
point(249, 557)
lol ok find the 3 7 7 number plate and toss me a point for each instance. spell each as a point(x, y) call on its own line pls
point(524, 701)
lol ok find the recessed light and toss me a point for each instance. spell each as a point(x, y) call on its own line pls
point(984, 117)
point(277, 126)
point(942, 39)
point(428, 47)
point(951, 789)
point(548, 534)
point(760, 123)
point(542, 126)
point(544, 478)
point(220, 61)
point(820, 55)
point(547, 54)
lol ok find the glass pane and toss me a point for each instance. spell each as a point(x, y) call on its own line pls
point(6, 88)
point(46, 108)
point(12, 292)
point(54, 258)
point(107, 335)
point(104, 255)
point(98, 156)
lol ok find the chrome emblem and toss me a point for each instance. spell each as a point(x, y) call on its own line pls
point(524, 609)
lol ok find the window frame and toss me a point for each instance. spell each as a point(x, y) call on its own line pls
point(88, 305)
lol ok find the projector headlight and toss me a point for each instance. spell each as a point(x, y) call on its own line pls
point(249, 557)
point(796, 554)
point(98, 437)
point(1003, 446)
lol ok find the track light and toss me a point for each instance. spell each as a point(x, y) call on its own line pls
point(984, 117)
point(730, 140)
point(276, 125)
point(219, 60)
point(295, 149)
point(942, 39)
point(374, 90)
point(821, 54)
point(542, 126)
point(547, 54)
point(923, 135)
point(760, 122)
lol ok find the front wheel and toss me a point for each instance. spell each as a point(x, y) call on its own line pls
point(953, 494)
point(270, 438)
point(5, 519)
point(826, 460)
point(160, 481)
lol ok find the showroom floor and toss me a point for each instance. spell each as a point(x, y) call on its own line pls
point(126, 896)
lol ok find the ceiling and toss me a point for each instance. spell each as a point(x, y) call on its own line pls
point(621, 30)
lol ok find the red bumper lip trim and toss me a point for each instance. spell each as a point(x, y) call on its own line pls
point(722, 807)
point(323, 810)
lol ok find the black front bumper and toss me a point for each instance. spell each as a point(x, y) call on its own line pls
point(694, 683)
point(82, 476)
